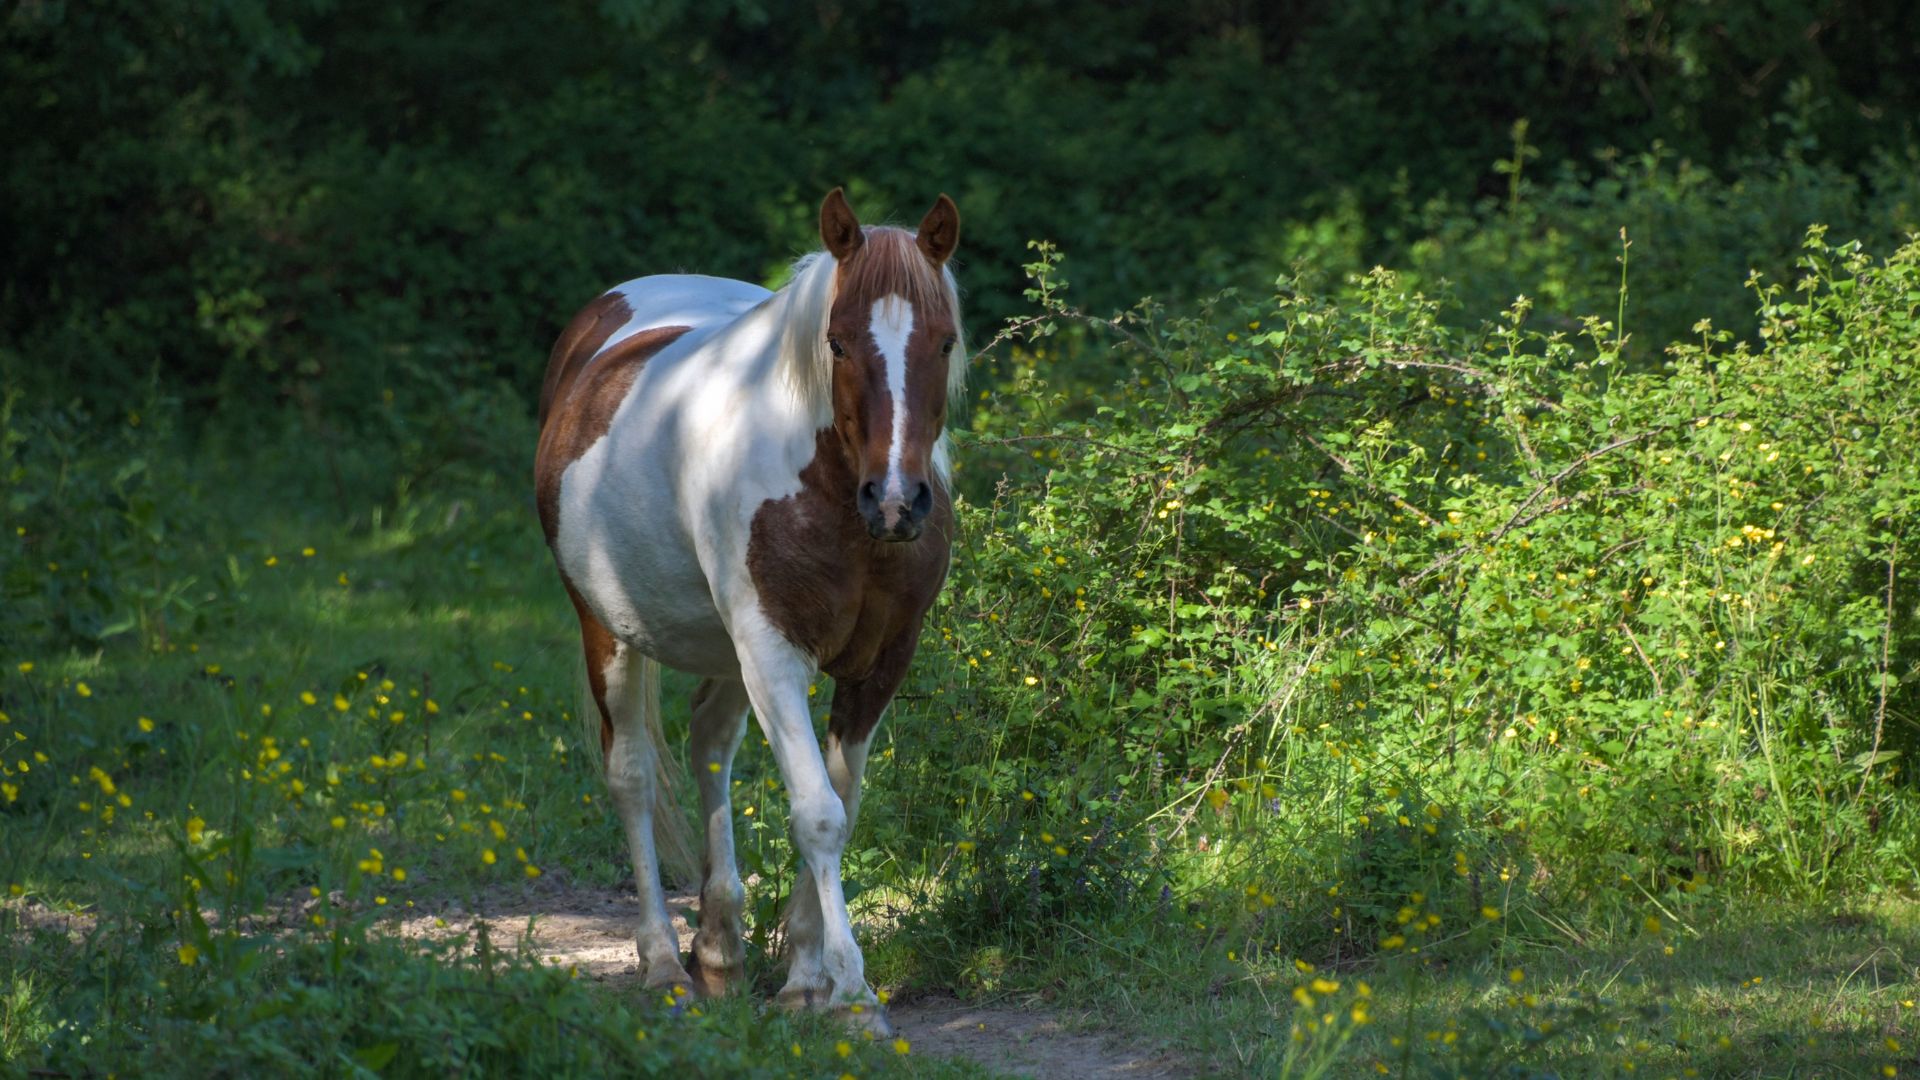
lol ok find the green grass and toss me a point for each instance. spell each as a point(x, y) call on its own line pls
point(446, 593)
point(1745, 993)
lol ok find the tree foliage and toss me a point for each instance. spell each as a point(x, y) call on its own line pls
point(270, 199)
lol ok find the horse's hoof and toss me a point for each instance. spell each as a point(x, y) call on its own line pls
point(869, 1018)
point(798, 998)
point(670, 982)
point(678, 993)
point(713, 982)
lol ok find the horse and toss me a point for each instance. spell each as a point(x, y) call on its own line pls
point(752, 487)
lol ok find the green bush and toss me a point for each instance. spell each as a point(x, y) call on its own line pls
point(1622, 630)
point(90, 526)
point(1695, 237)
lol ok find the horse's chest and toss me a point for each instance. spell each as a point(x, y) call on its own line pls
point(835, 592)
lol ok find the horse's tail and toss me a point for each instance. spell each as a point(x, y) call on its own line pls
point(672, 837)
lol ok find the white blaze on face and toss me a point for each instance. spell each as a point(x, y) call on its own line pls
point(891, 326)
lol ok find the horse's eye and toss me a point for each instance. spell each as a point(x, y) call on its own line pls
point(834, 344)
point(946, 347)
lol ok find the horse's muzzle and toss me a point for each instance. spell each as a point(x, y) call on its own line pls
point(894, 519)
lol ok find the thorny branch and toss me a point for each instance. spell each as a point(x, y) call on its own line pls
point(1521, 518)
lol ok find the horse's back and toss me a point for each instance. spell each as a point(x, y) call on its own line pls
point(640, 308)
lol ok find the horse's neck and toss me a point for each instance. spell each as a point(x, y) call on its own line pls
point(773, 384)
point(741, 409)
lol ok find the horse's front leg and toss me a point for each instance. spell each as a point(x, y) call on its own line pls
point(826, 969)
point(857, 708)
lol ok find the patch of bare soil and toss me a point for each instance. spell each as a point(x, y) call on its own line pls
point(32, 915)
point(591, 929)
point(582, 927)
point(1031, 1042)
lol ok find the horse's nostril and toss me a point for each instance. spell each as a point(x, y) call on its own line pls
point(869, 496)
point(922, 500)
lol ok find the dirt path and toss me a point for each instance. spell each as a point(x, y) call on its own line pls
point(1029, 1041)
point(592, 929)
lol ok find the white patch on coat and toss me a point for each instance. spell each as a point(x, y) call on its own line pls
point(891, 325)
point(679, 300)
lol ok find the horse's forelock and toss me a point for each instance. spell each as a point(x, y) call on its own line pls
point(888, 264)
point(891, 264)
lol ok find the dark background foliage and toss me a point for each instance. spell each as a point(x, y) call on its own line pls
point(258, 199)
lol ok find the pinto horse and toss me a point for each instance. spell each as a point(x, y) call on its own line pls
point(752, 487)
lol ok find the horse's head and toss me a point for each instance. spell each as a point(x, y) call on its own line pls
point(892, 332)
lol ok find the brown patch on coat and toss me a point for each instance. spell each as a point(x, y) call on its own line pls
point(583, 337)
point(858, 703)
point(854, 603)
point(599, 645)
point(585, 391)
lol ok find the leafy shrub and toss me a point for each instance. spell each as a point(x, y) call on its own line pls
point(1695, 237)
point(1633, 629)
point(1024, 874)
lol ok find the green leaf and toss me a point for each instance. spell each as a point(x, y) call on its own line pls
point(1870, 758)
point(378, 1056)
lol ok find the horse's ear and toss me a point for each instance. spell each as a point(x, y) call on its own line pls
point(839, 229)
point(940, 231)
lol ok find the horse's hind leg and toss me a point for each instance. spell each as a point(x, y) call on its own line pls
point(719, 719)
point(624, 685)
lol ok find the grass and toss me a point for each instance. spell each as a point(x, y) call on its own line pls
point(178, 778)
point(1743, 994)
